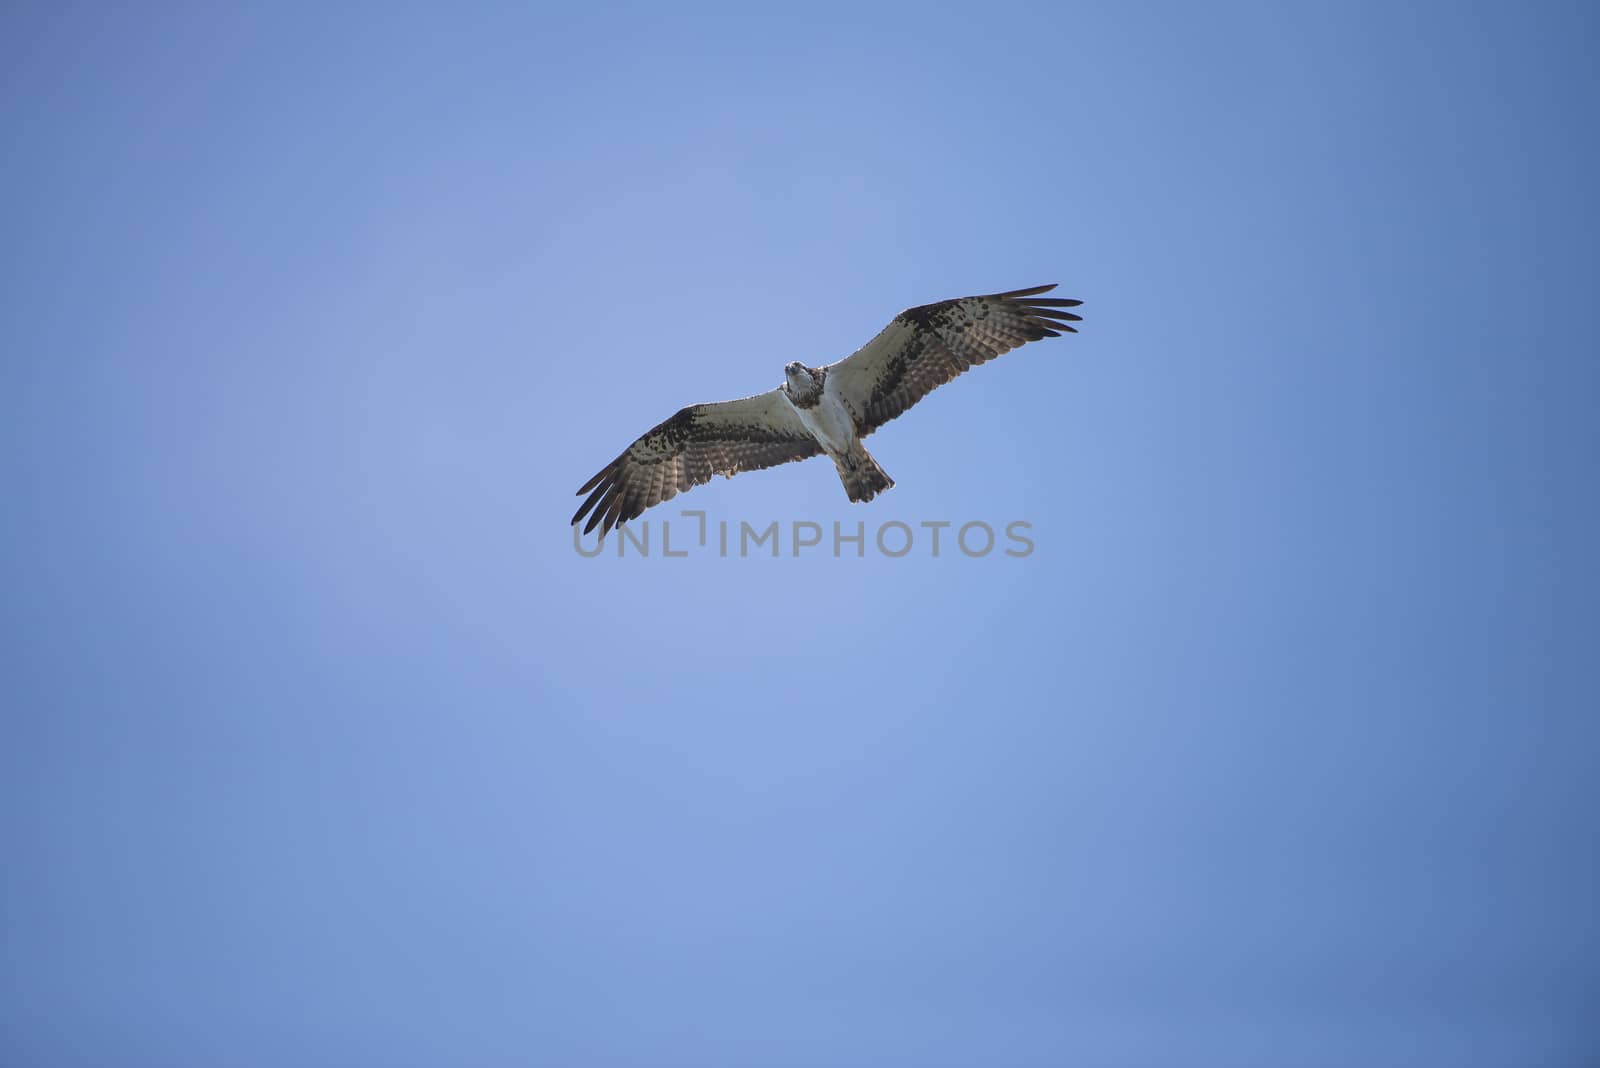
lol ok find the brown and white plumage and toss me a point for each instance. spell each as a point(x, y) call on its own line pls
point(684, 451)
point(923, 348)
point(822, 409)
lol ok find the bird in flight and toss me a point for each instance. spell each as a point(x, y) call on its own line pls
point(822, 410)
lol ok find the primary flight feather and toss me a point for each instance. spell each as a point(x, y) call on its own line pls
point(822, 409)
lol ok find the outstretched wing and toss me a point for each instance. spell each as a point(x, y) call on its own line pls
point(685, 451)
point(923, 348)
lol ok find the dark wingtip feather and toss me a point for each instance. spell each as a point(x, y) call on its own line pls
point(601, 506)
point(1027, 292)
point(594, 499)
point(1055, 313)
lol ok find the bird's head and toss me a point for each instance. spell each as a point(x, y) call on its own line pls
point(798, 377)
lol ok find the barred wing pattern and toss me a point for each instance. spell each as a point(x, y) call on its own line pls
point(925, 347)
point(686, 450)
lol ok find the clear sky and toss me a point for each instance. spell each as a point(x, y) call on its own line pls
point(322, 745)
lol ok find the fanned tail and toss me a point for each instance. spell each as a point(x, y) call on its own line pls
point(862, 477)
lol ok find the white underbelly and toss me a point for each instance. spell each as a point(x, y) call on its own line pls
point(830, 422)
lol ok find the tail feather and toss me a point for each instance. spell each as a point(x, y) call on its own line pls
point(862, 477)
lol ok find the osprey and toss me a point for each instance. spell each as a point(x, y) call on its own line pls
point(822, 409)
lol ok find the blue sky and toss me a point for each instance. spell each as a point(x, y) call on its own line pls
point(323, 746)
